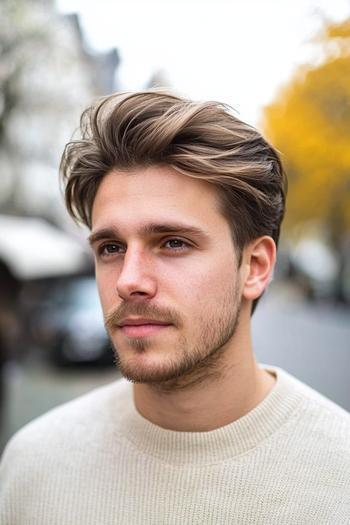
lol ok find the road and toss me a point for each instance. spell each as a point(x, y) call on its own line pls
point(310, 341)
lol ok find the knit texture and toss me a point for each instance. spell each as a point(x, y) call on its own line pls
point(97, 461)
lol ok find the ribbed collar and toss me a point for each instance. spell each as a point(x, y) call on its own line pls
point(244, 434)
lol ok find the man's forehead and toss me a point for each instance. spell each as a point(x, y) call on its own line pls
point(157, 181)
point(158, 194)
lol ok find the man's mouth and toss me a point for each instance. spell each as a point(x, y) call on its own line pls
point(139, 327)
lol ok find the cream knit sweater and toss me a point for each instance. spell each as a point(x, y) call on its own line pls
point(96, 461)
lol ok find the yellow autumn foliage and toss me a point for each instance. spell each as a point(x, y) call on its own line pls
point(309, 123)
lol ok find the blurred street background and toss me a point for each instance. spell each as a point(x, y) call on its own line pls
point(284, 66)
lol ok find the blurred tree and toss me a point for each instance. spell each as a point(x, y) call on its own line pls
point(309, 122)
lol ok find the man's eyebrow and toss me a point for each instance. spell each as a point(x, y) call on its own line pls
point(154, 228)
point(149, 229)
point(100, 235)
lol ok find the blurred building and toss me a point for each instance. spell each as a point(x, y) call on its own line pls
point(48, 75)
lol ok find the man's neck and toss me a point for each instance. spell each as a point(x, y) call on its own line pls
point(207, 405)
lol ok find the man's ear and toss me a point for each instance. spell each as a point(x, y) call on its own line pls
point(259, 258)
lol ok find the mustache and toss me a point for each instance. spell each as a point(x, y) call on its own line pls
point(149, 311)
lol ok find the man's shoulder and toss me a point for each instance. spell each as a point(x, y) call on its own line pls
point(328, 420)
point(76, 421)
point(319, 406)
point(323, 424)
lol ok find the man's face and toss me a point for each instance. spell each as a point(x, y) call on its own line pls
point(167, 274)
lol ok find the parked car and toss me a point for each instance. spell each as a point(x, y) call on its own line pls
point(315, 267)
point(69, 324)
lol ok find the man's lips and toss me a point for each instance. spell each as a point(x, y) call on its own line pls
point(138, 321)
point(141, 327)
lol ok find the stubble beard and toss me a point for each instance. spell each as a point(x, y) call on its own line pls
point(189, 364)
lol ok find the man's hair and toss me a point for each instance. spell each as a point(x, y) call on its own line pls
point(204, 140)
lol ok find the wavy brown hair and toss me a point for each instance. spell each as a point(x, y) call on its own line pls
point(204, 140)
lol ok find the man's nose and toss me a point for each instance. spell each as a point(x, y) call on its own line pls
point(137, 278)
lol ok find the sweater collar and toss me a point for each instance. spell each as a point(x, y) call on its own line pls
point(234, 439)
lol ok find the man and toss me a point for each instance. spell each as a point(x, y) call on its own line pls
point(184, 202)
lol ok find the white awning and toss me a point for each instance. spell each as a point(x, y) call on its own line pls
point(32, 248)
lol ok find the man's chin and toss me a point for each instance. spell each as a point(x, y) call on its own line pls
point(146, 369)
point(167, 365)
point(166, 374)
point(145, 360)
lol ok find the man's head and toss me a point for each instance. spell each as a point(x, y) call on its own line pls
point(181, 197)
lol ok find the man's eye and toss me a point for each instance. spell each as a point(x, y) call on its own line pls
point(111, 248)
point(176, 244)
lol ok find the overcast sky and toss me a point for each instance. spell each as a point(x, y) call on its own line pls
point(237, 51)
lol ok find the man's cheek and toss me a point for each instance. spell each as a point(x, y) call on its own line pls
point(107, 293)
